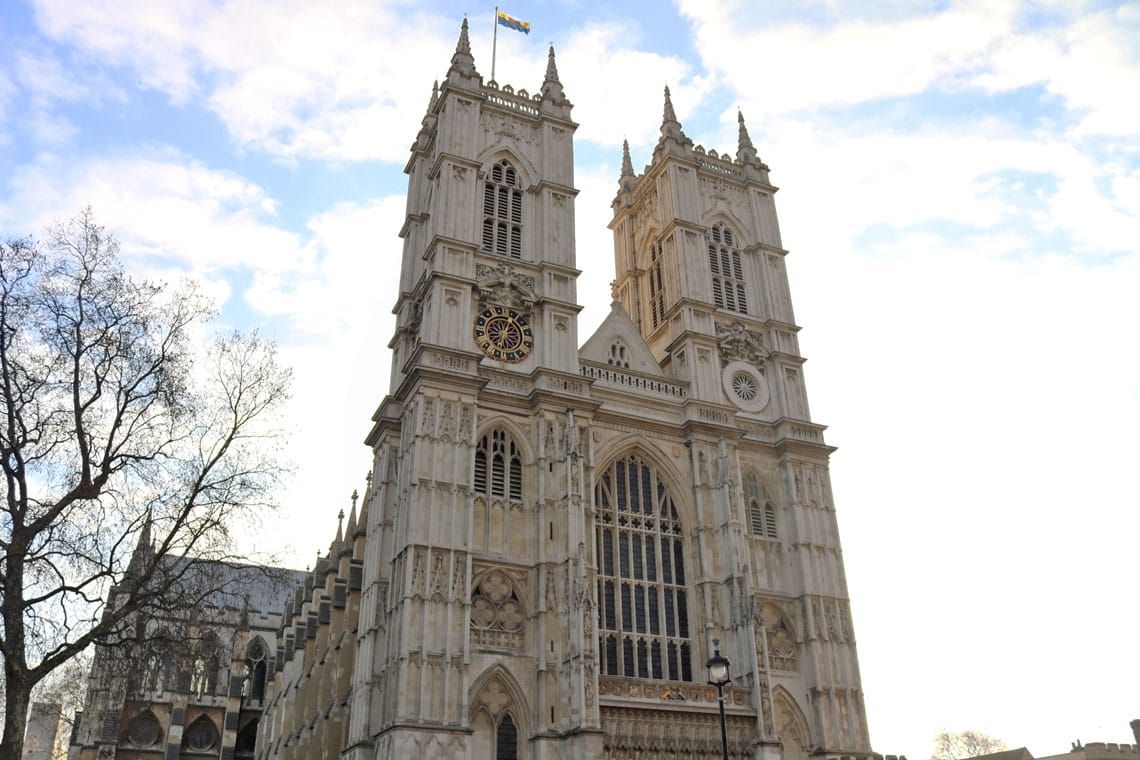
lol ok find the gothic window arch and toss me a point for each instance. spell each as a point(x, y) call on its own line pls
point(498, 466)
point(144, 730)
point(761, 511)
point(503, 211)
point(495, 720)
point(727, 269)
point(201, 735)
point(256, 667)
point(656, 286)
point(643, 615)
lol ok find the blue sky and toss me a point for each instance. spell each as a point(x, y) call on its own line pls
point(960, 192)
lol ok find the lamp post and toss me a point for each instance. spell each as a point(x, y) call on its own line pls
point(718, 677)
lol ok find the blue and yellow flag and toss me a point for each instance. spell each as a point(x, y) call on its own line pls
point(513, 23)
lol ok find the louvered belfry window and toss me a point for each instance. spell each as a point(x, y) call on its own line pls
point(498, 466)
point(643, 612)
point(656, 287)
point(502, 211)
point(727, 270)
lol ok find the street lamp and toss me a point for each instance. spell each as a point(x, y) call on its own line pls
point(718, 677)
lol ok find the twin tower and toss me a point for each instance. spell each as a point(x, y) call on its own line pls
point(556, 538)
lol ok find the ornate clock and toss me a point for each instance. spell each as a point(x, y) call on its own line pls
point(503, 334)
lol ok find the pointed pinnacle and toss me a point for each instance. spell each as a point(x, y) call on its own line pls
point(464, 44)
point(626, 162)
point(434, 95)
point(743, 141)
point(551, 68)
point(670, 114)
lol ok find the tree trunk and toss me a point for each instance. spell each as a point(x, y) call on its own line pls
point(17, 701)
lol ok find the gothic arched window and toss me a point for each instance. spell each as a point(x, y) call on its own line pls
point(761, 512)
point(643, 612)
point(201, 735)
point(507, 739)
point(255, 669)
point(656, 286)
point(502, 211)
point(498, 466)
point(727, 271)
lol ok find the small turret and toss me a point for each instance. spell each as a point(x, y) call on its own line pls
point(673, 138)
point(462, 71)
point(745, 152)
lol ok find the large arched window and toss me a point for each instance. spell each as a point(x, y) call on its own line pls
point(727, 271)
point(502, 211)
point(498, 466)
point(643, 611)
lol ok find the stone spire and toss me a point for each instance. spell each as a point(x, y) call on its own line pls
point(628, 180)
point(670, 115)
point(745, 152)
point(462, 63)
point(673, 139)
point(434, 96)
point(552, 87)
point(144, 550)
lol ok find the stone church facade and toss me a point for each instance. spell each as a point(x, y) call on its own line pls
point(556, 536)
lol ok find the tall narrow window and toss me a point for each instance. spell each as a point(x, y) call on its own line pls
point(656, 287)
point(498, 466)
point(502, 211)
point(727, 270)
point(507, 740)
point(643, 613)
point(255, 670)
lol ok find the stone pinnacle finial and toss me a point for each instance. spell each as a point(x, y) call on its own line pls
point(745, 151)
point(461, 62)
point(626, 162)
point(743, 141)
point(552, 88)
point(551, 68)
point(434, 95)
point(464, 44)
point(670, 114)
point(614, 295)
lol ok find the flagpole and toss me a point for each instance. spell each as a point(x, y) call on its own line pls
point(494, 43)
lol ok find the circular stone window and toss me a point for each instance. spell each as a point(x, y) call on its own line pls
point(144, 730)
point(745, 387)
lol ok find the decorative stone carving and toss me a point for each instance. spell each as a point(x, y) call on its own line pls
point(738, 343)
point(504, 286)
point(497, 615)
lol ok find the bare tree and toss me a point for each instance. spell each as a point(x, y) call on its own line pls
point(959, 745)
point(117, 429)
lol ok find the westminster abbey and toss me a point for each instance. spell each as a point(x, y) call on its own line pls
point(557, 534)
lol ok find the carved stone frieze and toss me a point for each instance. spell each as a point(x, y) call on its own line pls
point(634, 733)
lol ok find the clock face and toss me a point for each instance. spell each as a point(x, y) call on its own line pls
point(503, 334)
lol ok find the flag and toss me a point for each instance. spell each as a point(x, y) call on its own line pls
point(513, 23)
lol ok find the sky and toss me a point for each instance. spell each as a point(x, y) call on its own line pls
point(960, 193)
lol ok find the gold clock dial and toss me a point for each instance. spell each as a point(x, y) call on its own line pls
point(503, 334)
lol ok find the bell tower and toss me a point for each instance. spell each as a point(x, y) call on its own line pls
point(476, 535)
point(701, 268)
point(700, 272)
point(489, 232)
